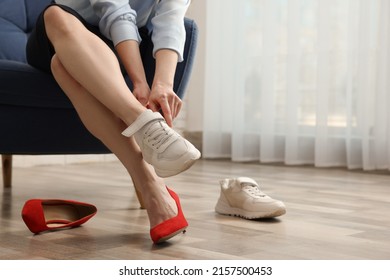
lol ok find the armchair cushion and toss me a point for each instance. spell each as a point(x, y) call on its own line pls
point(21, 84)
point(17, 19)
point(12, 41)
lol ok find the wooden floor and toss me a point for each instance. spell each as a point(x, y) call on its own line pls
point(331, 214)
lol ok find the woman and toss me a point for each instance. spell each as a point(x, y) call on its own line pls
point(67, 43)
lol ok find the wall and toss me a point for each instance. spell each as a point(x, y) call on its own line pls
point(193, 101)
point(195, 93)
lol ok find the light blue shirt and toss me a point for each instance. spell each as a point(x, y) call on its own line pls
point(119, 20)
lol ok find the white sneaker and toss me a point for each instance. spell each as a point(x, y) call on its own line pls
point(161, 146)
point(242, 197)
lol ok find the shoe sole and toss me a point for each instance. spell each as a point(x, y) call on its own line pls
point(249, 215)
point(163, 173)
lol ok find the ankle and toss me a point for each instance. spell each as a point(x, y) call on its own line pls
point(129, 116)
point(142, 118)
point(160, 208)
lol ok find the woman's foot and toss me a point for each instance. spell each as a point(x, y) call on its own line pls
point(171, 227)
point(161, 146)
point(165, 215)
point(159, 204)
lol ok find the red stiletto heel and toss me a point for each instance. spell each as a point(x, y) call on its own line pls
point(171, 227)
point(51, 214)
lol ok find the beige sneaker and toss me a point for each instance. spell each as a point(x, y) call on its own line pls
point(242, 197)
point(161, 146)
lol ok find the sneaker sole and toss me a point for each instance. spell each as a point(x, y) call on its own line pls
point(250, 215)
point(163, 173)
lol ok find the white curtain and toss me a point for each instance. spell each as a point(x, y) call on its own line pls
point(298, 82)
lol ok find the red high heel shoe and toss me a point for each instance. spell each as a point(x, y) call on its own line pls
point(50, 214)
point(171, 227)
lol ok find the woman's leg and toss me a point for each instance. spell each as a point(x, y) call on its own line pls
point(91, 63)
point(104, 125)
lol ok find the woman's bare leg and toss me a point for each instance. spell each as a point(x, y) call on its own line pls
point(91, 63)
point(104, 125)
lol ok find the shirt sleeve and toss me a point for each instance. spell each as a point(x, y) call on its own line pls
point(118, 21)
point(168, 26)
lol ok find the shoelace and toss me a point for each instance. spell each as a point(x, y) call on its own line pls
point(253, 190)
point(158, 134)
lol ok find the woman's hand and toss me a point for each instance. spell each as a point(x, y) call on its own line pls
point(141, 91)
point(163, 97)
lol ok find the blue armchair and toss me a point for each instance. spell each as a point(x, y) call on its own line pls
point(31, 103)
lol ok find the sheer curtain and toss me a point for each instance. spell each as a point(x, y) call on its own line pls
point(298, 82)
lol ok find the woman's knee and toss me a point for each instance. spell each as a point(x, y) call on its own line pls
point(56, 66)
point(57, 21)
point(53, 15)
point(63, 78)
